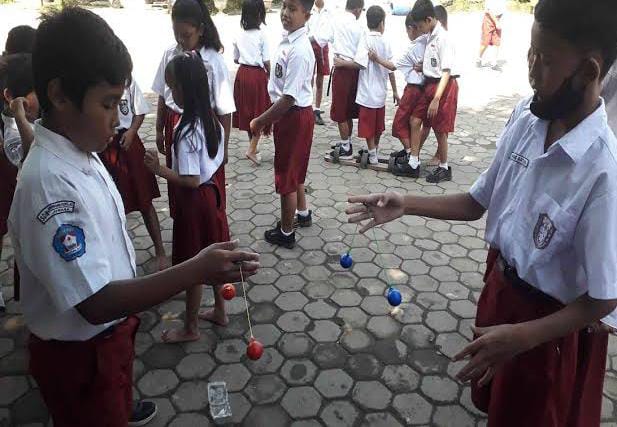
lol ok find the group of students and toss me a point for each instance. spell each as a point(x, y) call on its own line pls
point(538, 357)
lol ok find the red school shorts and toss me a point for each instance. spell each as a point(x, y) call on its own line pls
point(444, 120)
point(400, 125)
point(558, 383)
point(491, 36)
point(251, 96)
point(201, 218)
point(87, 383)
point(344, 89)
point(293, 137)
point(170, 120)
point(322, 59)
point(371, 122)
point(136, 184)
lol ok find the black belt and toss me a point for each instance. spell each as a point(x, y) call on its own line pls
point(511, 275)
point(434, 80)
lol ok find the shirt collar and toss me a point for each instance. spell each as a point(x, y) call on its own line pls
point(436, 31)
point(60, 146)
point(374, 33)
point(292, 37)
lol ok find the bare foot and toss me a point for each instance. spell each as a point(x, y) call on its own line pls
point(434, 161)
point(163, 262)
point(214, 316)
point(171, 336)
point(253, 157)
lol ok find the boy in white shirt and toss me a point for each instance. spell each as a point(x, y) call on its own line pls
point(319, 29)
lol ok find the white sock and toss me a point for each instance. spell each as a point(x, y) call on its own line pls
point(287, 234)
point(414, 161)
point(444, 165)
point(346, 144)
point(373, 152)
point(303, 213)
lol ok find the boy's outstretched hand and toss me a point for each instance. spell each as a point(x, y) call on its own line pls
point(379, 208)
point(221, 263)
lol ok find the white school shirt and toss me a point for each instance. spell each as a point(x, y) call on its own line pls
point(439, 54)
point(345, 36)
point(413, 56)
point(221, 95)
point(319, 26)
point(609, 93)
point(293, 69)
point(192, 154)
point(373, 78)
point(552, 215)
point(131, 104)
point(68, 229)
point(13, 149)
point(251, 48)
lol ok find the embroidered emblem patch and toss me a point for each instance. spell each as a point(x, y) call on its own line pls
point(517, 158)
point(433, 62)
point(543, 231)
point(55, 208)
point(124, 106)
point(69, 242)
point(278, 71)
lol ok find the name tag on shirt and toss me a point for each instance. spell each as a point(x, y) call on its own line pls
point(517, 158)
point(278, 71)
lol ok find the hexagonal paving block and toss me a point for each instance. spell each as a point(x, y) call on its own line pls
point(463, 308)
point(265, 276)
point(301, 402)
point(435, 258)
point(353, 317)
point(390, 351)
point(290, 283)
point(299, 372)
point(295, 344)
point(329, 355)
point(268, 334)
point(339, 414)
point(343, 280)
point(270, 362)
point(371, 395)
point(291, 301)
point(195, 366)
point(376, 305)
point(440, 389)
point(319, 289)
point(441, 321)
point(380, 419)
point(319, 310)
point(164, 413)
point(383, 327)
point(29, 408)
point(371, 286)
point(293, 321)
point(12, 388)
point(290, 266)
point(240, 407)
point(356, 340)
point(268, 416)
point(453, 291)
point(451, 343)
point(346, 298)
point(236, 376)
point(263, 293)
point(333, 383)
point(445, 414)
point(191, 396)
point(432, 301)
point(325, 331)
point(364, 366)
point(400, 378)
point(157, 382)
point(264, 313)
point(413, 408)
point(230, 351)
point(265, 389)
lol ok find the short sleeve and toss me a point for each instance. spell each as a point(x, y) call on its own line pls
point(189, 153)
point(158, 85)
point(221, 87)
point(361, 57)
point(295, 74)
point(325, 33)
point(61, 243)
point(140, 105)
point(236, 51)
point(447, 54)
point(265, 47)
point(405, 62)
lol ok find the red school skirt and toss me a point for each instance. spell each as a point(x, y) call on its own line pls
point(371, 122)
point(251, 96)
point(293, 137)
point(8, 182)
point(445, 119)
point(170, 120)
point(322, 59)
point(400, 125)
point(344, 89)
point(200, 219)
point(556, 384)
point(87, 383)
point(491, 36)
point(136, 184)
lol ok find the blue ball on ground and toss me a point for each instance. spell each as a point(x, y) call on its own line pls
point(394, 297)
point(346, 260)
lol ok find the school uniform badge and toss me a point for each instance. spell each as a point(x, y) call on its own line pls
point(69, 242)
point(543, 231)
point(433, 62)
point(124, 107)
point(278, 71)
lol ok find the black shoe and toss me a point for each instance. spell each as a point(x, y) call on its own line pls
point(439, 174)
point(318, 119)
point(276, 237)
point(143, 413)
point(401, 153)
point(405, 170)
point(345, 154)
point(403, 159)
point(304, 221)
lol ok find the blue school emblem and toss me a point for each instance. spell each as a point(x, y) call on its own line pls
point(543, 231)
point(69, 242)
point(278, 71)
point(433, 62)
point(124, 107)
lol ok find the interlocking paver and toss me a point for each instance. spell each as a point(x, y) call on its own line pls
point(371, 395)
point(340, 413)
point(299, 372)
point(301, 402)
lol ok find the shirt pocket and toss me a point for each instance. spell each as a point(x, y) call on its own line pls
point(544, 231)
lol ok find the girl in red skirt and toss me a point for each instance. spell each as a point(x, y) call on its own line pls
point(123, 158)
point(198, 175)
point(251, 86)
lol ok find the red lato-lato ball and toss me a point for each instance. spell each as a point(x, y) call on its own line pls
point(228, 292)
point(255, 349)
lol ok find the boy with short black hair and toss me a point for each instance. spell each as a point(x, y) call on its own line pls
point(68, 228)
point(292, 114)
point(540, 342)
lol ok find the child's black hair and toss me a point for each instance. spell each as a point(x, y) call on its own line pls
point(253, 14)
point(188, 74)
point(354, 4)
point(375, 15)
point(195, 13)
point(307, 4)
point(422, 10)
point(588, 24)
point(409, 20)
point(16, 72)
point(77, 47)
point(20, 40)
point(441, 14)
